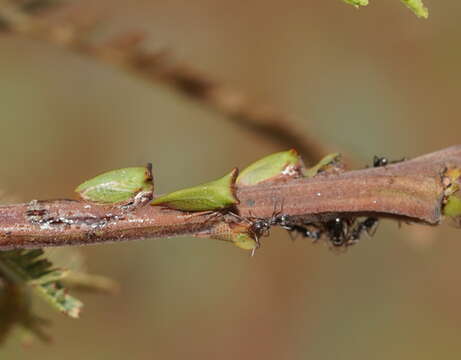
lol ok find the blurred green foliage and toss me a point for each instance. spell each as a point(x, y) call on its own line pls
point(26, 274)
point(416, 6)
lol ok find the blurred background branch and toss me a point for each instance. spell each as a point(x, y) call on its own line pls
point(127, 52)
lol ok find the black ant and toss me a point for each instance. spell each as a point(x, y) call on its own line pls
point(261, 226)
point(346, 232)
point(368, 225)
point(337, 231)
point(379, 161)
point(307, 230)
point(341, 231)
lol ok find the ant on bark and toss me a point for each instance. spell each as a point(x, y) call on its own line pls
point(340, 231)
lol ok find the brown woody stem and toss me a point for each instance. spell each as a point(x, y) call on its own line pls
point(413, 190)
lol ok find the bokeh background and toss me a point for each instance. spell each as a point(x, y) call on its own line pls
point(371, 81)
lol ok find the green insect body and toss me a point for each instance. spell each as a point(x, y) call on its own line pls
point(117, 185)
point(281, 164)
point(214, 195)
point(323, 165)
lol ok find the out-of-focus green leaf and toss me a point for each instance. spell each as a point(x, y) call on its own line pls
point(80, 281)
point(28, 268)
point(77, 277)
point(15, 312)
point(357, 3)
point(417, 7)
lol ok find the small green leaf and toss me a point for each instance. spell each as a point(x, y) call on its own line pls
point(357, 3)
point(323, 165)
point(90, 283)
point(417, 7)
point(285, 163)
point(213, 195)
point(77, 277)
point(117, 185)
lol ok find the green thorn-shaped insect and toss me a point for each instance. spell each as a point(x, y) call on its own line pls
point(214, 195)
point(322, 165)
point(117, 185)
point(285, 163)
point(357, 3)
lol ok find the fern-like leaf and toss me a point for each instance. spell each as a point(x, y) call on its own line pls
point(28, 268)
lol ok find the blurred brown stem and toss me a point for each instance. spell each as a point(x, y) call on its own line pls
point(126, 52)
point(413, 190)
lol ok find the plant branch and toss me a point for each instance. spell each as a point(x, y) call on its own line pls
point(413, 190)
point(127, 53)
